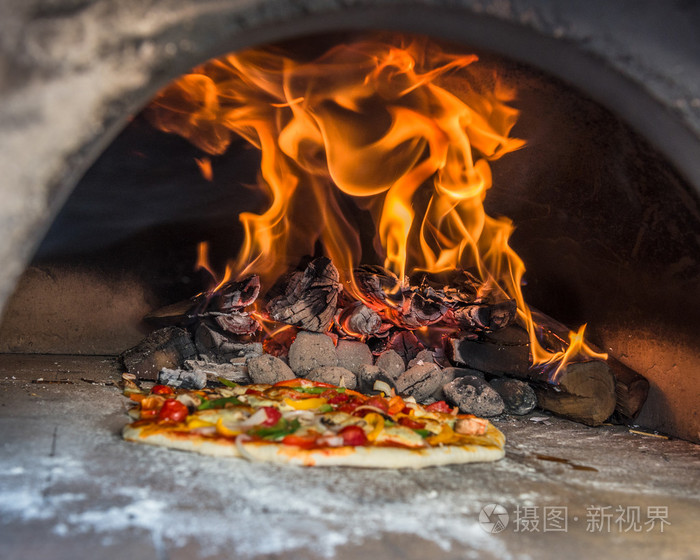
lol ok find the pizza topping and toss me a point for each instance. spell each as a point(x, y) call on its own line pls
point(162, 390)
point(439, 406)
point(305, 404)
point(273, 415)
point(410, 423)
point(219, 403)
point(471, 426)
point(376, 425)
point(353, 435)
point(173, 411)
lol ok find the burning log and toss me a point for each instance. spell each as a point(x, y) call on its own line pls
point(310, 298)
point(234, 296)
point(358, 320)
point(165, 348)
point(583, 391)
point(237, 322)
point(631, 388)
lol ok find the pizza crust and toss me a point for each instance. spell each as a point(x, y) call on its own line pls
point(489, 447)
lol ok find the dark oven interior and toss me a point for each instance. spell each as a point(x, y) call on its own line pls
point(604, 198)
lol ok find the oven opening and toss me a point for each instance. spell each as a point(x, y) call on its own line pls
point(462, 219)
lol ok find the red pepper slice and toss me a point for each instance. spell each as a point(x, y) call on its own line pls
point(173, 411)
point(301, 382)
point(409, 423)
point(162, 390)
point(273, 416)
point(378, 402)
point(305, 442)
point(439, 406)
point(353, 435)
point(338, 398)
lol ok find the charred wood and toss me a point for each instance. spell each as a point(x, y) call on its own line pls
point(165, 348)
point(631, 388)
point(583, 391)
point(310, 298)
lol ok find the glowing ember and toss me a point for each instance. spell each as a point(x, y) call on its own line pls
point(397, 127)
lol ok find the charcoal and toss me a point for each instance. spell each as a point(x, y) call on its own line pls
point(182, 379)
point(352, 354)
point(420, 382)
point(168, 347)
point(391, 363)
point(268, 369)
point(450, 374)
point(518, 397)
point(218, 347)
point(235, 370)
point(423, 357)
point(334, 375)
point(473, 395)
point(368, 375)
point(311, 350)
point(406, 344)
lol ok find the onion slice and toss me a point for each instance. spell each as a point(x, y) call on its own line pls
point(384, 387)
point(240, 440)
point(258, 418)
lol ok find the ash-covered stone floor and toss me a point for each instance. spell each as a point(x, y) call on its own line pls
point(71, 488)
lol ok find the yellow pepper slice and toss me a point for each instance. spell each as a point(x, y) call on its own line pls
point(306, 404)
point(194, 422)
point(446, 434)
point(376, 422)
point(223, 430)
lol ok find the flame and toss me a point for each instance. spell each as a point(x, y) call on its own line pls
point(397, 126)
point(205, 169)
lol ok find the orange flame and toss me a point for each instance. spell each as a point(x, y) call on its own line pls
point(397, 126)
point(205, 169)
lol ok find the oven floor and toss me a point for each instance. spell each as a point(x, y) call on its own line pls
point(71, 488)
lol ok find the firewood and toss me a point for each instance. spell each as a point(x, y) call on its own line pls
point(631, 388)
point(583, 391)
point(165, 348)
point(310, 299)
point(358, 320)
point(236, 295)
point(180, 314)
point(237, 322)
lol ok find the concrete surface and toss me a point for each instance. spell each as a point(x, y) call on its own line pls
point(71, 488)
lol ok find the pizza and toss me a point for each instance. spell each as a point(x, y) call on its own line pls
point(308, 423)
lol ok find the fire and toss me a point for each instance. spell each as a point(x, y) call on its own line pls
point(396, 127)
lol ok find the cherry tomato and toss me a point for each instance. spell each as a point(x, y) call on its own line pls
point(273, 416)
point(410, 423)
point(439, 406)
point(162, 390)
point(353, 435)
point(173, 411)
